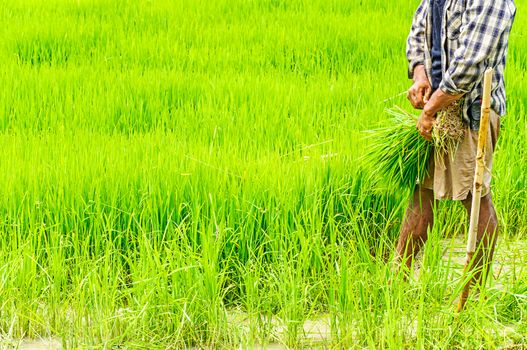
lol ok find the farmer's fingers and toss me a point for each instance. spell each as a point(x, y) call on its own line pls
point(425, 133)
point(427, 94)
point(416, 97)
point(424, 129)
point(419, 102)
point(425, 90)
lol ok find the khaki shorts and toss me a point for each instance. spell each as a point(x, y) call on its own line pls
point(453, 177)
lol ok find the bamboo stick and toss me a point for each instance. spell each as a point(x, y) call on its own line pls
point(478, 182)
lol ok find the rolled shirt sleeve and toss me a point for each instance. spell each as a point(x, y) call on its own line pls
point(415, 44)
point(484, 23)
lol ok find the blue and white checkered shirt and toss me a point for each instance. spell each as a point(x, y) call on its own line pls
point(474, 37)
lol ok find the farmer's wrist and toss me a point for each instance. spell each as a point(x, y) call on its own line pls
point(420, 74)
point(429, 112)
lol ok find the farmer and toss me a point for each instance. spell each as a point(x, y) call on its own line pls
point(450, 45)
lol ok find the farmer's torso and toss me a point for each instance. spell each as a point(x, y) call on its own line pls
point(446, 21)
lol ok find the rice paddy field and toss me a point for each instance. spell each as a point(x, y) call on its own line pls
point(190, 174)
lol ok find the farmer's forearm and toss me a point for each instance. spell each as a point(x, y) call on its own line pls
point(438, 100)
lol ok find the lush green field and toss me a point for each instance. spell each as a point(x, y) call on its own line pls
point(190, 173)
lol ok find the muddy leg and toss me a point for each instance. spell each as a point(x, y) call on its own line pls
point(414, 231)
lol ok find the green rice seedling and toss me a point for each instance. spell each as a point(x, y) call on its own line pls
point(397, 151)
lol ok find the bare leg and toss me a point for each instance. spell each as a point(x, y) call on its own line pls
point(414, 230)
point(487, 238)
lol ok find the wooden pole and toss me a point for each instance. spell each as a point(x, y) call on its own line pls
point(478, 182)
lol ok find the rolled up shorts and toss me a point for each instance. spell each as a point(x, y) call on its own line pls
point(452, 176)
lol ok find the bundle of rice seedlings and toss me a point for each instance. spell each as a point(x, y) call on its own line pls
point(397, 151)
point(400, 155)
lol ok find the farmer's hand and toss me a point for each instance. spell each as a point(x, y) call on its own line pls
point(425, 123)
point(420, 91)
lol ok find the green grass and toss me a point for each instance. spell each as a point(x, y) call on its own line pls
point(166, 165)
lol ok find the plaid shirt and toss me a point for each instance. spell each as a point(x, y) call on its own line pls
point(474, 37)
